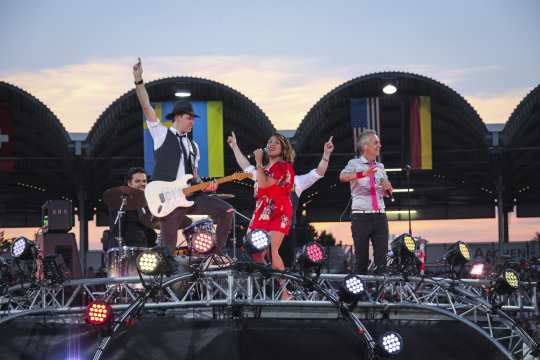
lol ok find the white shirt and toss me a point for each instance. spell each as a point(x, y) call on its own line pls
point(159, 132)
point(301, 182)
point(362, 191)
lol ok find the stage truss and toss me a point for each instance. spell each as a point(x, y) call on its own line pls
point(248, 287)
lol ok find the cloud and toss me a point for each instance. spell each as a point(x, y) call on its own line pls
point(285, 88)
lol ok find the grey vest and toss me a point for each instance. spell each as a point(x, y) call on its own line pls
point(168, 156)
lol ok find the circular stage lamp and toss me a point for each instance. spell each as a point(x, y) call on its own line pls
point(22, 248)
point(150, 262)
point(257, 240)
point(98, 313)
point(391, 343)
point(403, 246)
point(315, 253)
point(352, 290)
point(507, 282)
point(458, 254)
point(202, 242)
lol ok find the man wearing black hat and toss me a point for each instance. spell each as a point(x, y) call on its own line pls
point(175, 156)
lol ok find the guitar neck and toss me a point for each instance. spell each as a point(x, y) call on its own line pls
point(202, 186)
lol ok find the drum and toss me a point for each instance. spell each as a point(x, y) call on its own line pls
point(201, 225)
point(122, 261)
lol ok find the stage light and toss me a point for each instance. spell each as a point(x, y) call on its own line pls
point(182, 93)
point(477, 270)
point(23, 249)
point(257, 240)
point(352, 289)
point(202, 242)
point(507, 282)
point(391, 343)
point(156, 261)
point(98, 313)
point(150, 262)
point(315, 253)
point(403, 246)
point(458, 254)
point(390, 88)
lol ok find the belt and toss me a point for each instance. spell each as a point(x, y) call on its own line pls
point(368, 211)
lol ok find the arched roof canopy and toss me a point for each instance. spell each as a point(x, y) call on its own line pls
point(461, 174)
point(521, 137)
point(115, 142)
point(36, 157)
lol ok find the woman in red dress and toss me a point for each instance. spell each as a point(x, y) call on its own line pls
point(274, 183)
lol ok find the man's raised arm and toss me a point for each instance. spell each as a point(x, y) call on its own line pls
point(142, 95)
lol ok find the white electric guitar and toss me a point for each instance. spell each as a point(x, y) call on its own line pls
point(165, 196)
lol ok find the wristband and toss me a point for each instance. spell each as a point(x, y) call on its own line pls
point(325, 159)
point(360, 175)
point(140, 82)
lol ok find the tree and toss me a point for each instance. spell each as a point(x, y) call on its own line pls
point(326, 239)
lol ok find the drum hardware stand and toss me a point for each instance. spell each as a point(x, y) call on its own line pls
point(235, 213)
point(118, 220)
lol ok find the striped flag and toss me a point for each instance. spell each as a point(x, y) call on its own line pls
point(420, 133)
point(365, 114)
point(207, 133)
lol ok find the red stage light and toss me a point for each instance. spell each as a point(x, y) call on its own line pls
point(315, 253)
point(98, 313)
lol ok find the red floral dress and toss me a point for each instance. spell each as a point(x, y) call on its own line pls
point(273, 209)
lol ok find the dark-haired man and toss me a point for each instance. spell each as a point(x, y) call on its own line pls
point(137, 224)
point(177, 155)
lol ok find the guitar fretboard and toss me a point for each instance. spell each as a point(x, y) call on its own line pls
point(202, 186)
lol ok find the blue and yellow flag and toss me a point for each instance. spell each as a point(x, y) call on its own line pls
point(207, 133)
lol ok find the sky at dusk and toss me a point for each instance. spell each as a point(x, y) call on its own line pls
point(76, 58)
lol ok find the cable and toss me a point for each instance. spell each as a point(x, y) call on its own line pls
point(346, 207)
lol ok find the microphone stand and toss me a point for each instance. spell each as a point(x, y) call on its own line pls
point(408, 174)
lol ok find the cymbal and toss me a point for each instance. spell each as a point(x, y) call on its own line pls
point(135, 197)
point(224, 196)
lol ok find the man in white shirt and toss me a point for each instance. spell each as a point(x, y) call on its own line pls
point(369, 183)
point(301, 183)
point(175, 156)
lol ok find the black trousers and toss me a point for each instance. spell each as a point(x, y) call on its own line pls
point(216, 208)
point(365, 227)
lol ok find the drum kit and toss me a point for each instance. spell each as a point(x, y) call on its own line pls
point(120, 260)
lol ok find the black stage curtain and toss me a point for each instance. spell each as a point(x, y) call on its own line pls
point(168, 337)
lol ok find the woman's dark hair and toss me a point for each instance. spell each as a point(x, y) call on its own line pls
point(132, 171)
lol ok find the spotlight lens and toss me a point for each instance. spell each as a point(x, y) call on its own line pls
point(259, 239)
point(389, 89)
point(354, 285)
point(464, 249)
point(98, 313)
point(203, 242)
point(315, 253)
point(511, 278)
point(392, 343)
point(19, 247)
point(410, 244)
point(148, 262)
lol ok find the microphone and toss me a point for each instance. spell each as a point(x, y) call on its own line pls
point(408, 167)
point(251, 155)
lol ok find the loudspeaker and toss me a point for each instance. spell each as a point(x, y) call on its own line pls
point(65, 245)
point(57, 216)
